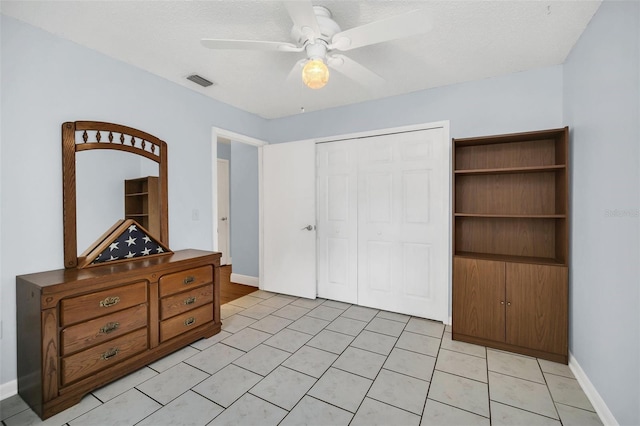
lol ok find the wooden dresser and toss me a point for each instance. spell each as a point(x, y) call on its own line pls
point(79, 329)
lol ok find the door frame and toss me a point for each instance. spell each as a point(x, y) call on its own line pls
point(219, 133)
point(222, 161)
point(445, 125)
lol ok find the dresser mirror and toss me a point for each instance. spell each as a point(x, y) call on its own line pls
point(100, 195)
point(97, 159)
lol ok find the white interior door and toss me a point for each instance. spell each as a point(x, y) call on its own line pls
point(338, 221)
point(289, 208)
point(224, 243)
point(403, 227)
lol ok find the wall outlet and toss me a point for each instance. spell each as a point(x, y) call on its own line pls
point(195, 215)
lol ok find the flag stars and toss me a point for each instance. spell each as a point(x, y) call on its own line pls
point(159, 250)
point(131, 240)
point(129, 255)
point(146, 239)
point(114, 246)
point(146, 251)
point(132, 228)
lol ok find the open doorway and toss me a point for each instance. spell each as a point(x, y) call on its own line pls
point(236, 207)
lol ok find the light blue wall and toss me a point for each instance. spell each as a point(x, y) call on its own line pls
point(224, 151)
point(517, 102)
point(244, 209)
point(45, 81)
point(601, 104)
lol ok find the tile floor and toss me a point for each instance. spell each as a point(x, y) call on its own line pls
point(289, 361)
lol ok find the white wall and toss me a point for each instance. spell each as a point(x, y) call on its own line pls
point(601, 105)
point(46, 81)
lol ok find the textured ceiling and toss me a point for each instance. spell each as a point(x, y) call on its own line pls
point(469, 40)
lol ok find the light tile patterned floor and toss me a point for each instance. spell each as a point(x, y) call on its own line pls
point(289, 361)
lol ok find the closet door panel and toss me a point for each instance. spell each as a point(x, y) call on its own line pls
point(403, 207)
point(337, 221)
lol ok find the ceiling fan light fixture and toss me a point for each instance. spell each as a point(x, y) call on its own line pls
point(315, 74)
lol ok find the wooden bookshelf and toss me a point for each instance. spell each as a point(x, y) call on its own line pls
point(510, 242)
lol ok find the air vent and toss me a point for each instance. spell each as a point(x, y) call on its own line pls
point(200, 80)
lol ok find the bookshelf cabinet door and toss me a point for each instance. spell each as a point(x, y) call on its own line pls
point(537, 298)
point(478, 298)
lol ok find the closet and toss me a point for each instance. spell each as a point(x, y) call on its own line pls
point(382, 218)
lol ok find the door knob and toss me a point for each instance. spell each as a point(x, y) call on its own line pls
point(309, 228)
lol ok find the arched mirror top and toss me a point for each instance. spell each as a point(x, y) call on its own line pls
point(92, 135)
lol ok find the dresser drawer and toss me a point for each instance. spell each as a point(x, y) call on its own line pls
point(82, 336)
point(181, 281)
point(185, 301)
point(185, 322)
point(104, 302)
point(103, 356)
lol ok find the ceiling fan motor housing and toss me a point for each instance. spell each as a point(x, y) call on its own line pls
point(328, 28)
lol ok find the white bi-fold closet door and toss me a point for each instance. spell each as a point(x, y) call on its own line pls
point(383, 221)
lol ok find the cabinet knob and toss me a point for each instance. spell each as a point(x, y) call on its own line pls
point(502, 302)
point(508, 303)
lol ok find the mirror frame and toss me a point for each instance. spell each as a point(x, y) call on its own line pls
point(118, 137)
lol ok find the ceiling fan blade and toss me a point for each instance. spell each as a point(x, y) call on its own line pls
point(400, 26)
point(295, 75)
point(354, 70)
point(250, 45)
point(302, 15)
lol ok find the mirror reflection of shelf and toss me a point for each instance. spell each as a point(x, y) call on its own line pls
point(141, 201)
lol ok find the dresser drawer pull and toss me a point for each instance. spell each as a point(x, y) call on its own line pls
point(109, 301)
point(110, 353)
point(189, 279)
point(190, 300)
point(189, 321)
point(109, 327)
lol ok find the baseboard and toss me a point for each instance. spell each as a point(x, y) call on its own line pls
point(8, 389)
point(594, 397)
point(244, 279)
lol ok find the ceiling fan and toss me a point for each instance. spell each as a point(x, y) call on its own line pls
point(319, 36)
